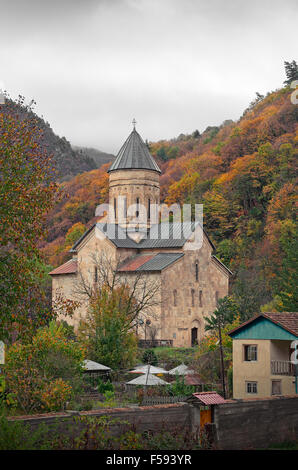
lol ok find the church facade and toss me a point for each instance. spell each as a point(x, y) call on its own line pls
point(188, 279)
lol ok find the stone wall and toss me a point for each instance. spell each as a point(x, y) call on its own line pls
point(238, 424)
point(195, 299)
point(256, 423)
point(143, 418)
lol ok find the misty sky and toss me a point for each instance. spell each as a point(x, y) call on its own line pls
point(174, 65)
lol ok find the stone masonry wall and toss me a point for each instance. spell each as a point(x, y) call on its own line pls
point(256, 423)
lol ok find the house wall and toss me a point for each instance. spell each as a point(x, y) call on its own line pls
point(259, 371)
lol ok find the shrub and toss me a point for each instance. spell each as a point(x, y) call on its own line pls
point(149, 357)
point(43, 375)
point(179, 387)
point(103, 387)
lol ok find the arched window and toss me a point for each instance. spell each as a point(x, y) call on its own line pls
point(149, 209)
point(115, 207)
point(201, 298)
point(216, 297)
point(175, 297)
point(197, 271)
point(95, 274)
point(125, 207)
point(138, 204)
point(192, 297)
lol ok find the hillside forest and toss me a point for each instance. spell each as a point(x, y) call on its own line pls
point(243, 172)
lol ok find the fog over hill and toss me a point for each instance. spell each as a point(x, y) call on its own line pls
point(98, 156)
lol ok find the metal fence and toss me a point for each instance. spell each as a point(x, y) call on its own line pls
point(155, 343)
point(147, 401)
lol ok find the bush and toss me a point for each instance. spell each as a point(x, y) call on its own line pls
point(179, 387)
point(43, 375)
point(103, 387)
point(149, 357)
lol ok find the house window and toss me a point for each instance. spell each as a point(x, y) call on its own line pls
point(197, 271)
point(276, 387)
point(175, 297)
point(201, 298)
point(251, 387)
point(250, 352)
point(192, 297)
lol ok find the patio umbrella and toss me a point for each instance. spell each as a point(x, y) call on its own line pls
point(181, 370)
point(147, 379)
point(148, 368)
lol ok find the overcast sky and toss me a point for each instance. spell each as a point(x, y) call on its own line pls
point(174, 65)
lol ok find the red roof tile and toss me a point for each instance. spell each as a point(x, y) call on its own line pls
point(70, 267)
point(135, 263)
point(209, 398)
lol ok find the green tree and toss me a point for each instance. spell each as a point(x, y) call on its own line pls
point(149, 357)
point(107, 330)
point(288, 277)
point(291, 70)
point(224, 314)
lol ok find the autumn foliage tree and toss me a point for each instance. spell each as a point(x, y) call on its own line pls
point(27, 192)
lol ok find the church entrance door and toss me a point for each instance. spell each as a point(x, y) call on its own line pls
point(194, 336)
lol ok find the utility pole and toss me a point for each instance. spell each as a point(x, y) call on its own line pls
point(222, 361)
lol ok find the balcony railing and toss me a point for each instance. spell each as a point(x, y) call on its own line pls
point(282, 368)
point(143, 343)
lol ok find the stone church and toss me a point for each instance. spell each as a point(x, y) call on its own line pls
point(189, 280)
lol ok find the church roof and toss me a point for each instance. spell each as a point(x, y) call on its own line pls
point(134, 155)
point(164, 235)
point(70, 267)
point(150, 262)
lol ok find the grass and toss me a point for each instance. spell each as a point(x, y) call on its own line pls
point(286, 445)
point(175, 356)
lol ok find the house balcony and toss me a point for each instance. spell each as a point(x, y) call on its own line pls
point(282, 368)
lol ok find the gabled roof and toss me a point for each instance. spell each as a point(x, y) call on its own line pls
point(286, 320)
point(209, 398)
point(222, 264)
point(163, 235)
point(70, 267)
point(150, 262)
point(134, 155)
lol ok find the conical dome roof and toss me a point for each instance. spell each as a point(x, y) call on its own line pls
point(134, 155)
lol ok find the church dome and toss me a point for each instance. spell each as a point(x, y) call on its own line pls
point(134, 155)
